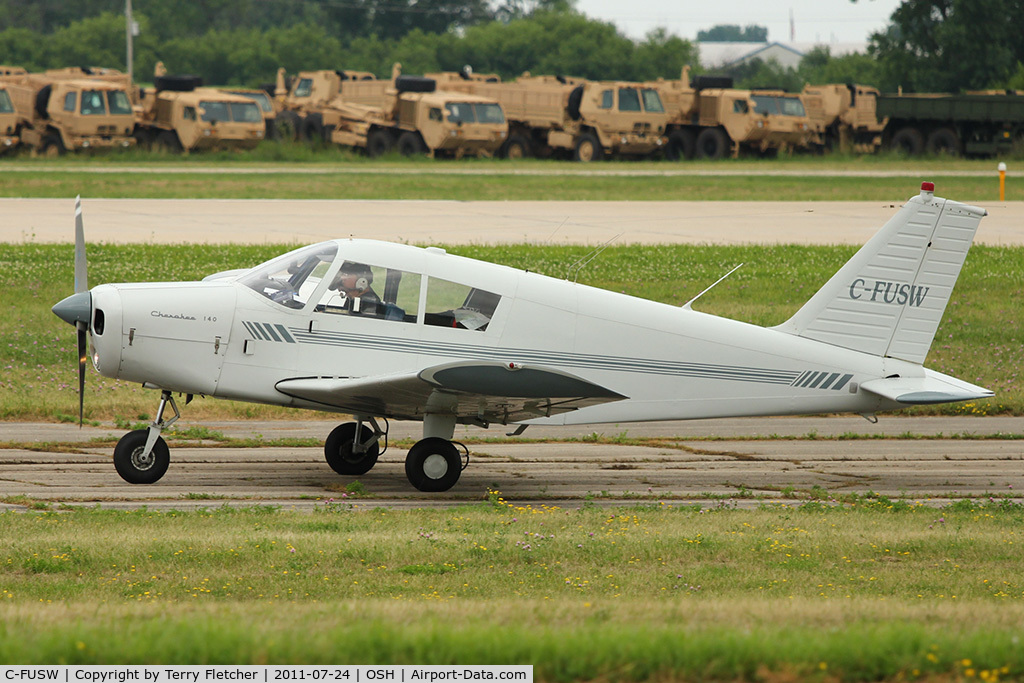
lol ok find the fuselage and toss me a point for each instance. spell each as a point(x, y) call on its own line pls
point(238, 337)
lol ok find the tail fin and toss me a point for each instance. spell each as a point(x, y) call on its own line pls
point(889, 298)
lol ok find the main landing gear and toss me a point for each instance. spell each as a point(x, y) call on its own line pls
point(434, 463)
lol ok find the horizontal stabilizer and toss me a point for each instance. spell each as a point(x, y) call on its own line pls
point(934, 387)
point(889, 298)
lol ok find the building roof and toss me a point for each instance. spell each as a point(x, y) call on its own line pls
point(724, 55)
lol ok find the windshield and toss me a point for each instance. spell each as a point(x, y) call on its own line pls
point(770, 104)
point(5, 103)
point(118, 102)
point(291, 279)
point(260, 98)
point(92, 103)
point(652, 101)
point(246, 112)
point(471, 112)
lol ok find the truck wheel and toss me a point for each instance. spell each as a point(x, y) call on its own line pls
point(681, 145)
point(378, 142)
point(167, 141)
point(52, 146)
point(907, 140)
point(588, 148)
point(410, 144)
point(944, 142)
point(516, 147)
point(313, 132)
point(288, 126)
point(712, 143)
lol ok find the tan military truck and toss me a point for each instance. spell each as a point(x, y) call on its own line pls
point(179, 115)
point(9, 138)
point(712, 120)
point(301, 99)
point(57, 114)
point(844, 116)
point(269, 108)
point(419, 119)
point(552, 115)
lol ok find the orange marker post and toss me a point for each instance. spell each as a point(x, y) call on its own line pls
point(1002, 181)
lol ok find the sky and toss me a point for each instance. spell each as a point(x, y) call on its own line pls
point(818, 21)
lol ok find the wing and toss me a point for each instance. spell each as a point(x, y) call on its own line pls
point(474, 391)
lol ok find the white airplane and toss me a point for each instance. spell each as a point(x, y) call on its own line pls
point(389, 331)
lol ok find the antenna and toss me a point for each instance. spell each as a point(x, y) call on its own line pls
point(575, 268)
point(688, 306)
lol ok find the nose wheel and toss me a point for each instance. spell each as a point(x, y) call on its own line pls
point(352, 448)
point(142, 456)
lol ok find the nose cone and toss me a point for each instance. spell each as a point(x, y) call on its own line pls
point(77, 308)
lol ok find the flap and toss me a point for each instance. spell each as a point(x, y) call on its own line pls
point(473, 391)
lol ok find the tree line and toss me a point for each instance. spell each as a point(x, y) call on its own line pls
point(929, 45)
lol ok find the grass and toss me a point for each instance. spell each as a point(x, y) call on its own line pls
point(978, 340)
point(870, 589)
point(277, 171)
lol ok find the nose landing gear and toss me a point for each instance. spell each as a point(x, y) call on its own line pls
point(142, 456)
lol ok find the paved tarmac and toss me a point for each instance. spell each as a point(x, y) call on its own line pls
point(735, 462)
point(219, 221)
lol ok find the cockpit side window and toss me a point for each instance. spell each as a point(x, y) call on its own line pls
point(291, 279)
point(450, 304)
point(370, 291)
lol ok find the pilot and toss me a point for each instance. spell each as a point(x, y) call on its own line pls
point(353, 282)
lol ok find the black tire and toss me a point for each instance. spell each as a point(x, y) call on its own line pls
point(338, 449)
point(944, 141)
point(143, 138)
point(908, 141)
point(712, 143)
point(168, 141)
point(572, 107)
point(415, 84)
point(378, 142)
point(52, 146)
point(433, 465)
point(313, 131)
point(516, 147)
point(681, 145)
point(178, 83)
point(129, 464)
point(410, 144)
point(289, 126)
point(588, 148)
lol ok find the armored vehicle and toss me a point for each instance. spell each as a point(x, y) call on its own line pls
point(844, 116)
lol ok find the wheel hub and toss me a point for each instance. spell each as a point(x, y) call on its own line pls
point(142, 461)
point(435, 466)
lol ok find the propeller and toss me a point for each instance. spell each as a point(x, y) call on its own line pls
point(77, 308)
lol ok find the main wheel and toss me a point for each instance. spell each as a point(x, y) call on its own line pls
point(168, 142)
point(135, 468)
point(589, 148)
point(53, 146)
point(340, 452)
point(289, 125)
point(433, 464)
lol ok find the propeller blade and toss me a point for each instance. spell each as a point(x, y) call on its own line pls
point(82, 353)
point(81, 268)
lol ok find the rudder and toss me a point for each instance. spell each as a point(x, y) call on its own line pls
point(889, 298)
